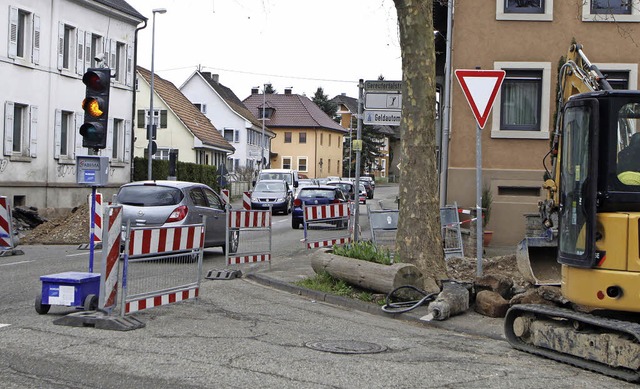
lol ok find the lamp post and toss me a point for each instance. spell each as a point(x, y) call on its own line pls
point(152, 123)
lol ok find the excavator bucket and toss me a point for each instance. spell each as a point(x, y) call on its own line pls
point(536, 258)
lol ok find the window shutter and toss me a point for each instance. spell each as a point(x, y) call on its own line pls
point(79, 150)
point(13, 34)
point(129, 66)
point(109, 149)
point(35, 52)
point(236, 136)
point(8, 127)
point(57, 134)
point(80, 53)
point(163, 118)
point(33, 131)
point(141, 118)
point(127, 140)
point(87, 50)
point(60, 45)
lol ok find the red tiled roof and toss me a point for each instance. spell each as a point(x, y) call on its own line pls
point(292, 110)
point(189, 115)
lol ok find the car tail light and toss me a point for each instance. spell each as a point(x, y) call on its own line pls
point(297, 203)
point(178, 214)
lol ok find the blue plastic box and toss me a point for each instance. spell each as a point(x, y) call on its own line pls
point(70, 288)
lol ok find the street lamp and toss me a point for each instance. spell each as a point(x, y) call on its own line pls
point(152, 124)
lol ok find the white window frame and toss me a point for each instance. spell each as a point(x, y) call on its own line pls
point(67, 47)
point(545, 104)
point(547, 16)
point(65, 119)
point(587, 16)
point(120, 63)
point(290, 162)
point(632, 68)
point(162, 154)
point(28, 131)
point(202, 107)
point(306, 165)
point(26, 38)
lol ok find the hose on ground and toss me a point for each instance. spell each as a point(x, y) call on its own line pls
point(406, 306)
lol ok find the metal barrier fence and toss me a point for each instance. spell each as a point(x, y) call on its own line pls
point(451, 235)
point(384, 227)
point(326, 225)
point(161, 266)
point(252, 232)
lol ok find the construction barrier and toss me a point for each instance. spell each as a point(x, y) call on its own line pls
point(384, 227)
point(326, 225)
point(161, 266)
point(252, 232)
point(110, 257)
point(7, 240)
point(246, 200)
point(97, 220)
point(224, 195)
point(450, 230)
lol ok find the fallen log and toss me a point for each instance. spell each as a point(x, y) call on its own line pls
point(366, 275)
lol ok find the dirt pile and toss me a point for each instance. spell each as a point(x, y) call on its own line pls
point(69, 229)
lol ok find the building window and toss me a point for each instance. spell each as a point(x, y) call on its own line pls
point(66, 47)
point(620, 75)
point(611, 10)
point(228, 135)
point(161, 154)
point(96, 48)
point(143, 117)
point(302, 164)
point(522, 108)
point(268, 112)
point(20, 129)
point(120, 62)
point(321, 138)
point(287, 137)
point(24, 35)
point(117, 151)
point(302, 137)
point(520, 101)
point(531, 10)
point(64, 134)
point(286, 162)
point(202, 107)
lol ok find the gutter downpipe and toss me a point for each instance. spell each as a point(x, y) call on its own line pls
point(446, 118)
point(133, 107)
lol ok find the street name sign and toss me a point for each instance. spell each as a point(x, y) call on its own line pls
point(480, 88)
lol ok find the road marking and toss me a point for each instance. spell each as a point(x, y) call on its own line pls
point(14, 263)
point(4, 325)
point(83, 253)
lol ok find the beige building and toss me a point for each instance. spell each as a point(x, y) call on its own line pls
point(306, 139)
point(527, 42)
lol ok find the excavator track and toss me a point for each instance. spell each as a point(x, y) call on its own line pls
point(603, 345)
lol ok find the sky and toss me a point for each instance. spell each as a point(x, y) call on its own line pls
point(288, 43)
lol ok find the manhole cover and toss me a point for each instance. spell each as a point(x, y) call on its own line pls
point(346, 347)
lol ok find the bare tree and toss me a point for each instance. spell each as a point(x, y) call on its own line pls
point(418, 240)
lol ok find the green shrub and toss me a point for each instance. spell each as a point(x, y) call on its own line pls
point(186, 171)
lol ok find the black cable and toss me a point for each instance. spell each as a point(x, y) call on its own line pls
point(407, 306)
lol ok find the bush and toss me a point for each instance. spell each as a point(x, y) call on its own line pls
point(186, 171)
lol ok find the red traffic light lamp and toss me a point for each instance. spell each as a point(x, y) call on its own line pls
point(96, 108)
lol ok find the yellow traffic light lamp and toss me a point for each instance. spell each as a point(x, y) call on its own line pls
point(96, 108)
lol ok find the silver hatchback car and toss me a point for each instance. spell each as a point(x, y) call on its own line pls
point(176, 203)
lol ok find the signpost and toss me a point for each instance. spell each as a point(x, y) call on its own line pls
point(480, 88)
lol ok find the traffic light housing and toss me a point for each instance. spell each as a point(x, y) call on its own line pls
point(96, 108)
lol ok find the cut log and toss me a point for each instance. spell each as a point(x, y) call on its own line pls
point(366, 275)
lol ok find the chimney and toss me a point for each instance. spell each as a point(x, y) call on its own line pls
point(255, 91)
point(287, 91)
point(215, 78)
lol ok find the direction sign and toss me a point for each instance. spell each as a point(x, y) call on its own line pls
point(480, 88)
point(385, 118)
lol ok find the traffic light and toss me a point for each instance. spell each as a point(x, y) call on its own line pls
point(96, 108)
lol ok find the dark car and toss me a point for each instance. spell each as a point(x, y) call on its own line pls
point(347, 187)
point(314, 195)
point(272, 193)
point(176, 203)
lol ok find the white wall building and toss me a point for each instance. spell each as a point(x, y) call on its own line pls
point(231, 117)
point(45, 48)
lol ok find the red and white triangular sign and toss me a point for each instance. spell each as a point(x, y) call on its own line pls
point(480, 87)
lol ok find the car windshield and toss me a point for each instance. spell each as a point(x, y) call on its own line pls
point(344, 187)
point(276, 176)
point(269, 187)
point(149, 195)
point(316, 193)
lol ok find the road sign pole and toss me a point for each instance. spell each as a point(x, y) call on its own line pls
point(356, 224)
point(479, 218)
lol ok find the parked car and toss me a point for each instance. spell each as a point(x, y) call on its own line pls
point(307, 182)
point(370, 184)
point(362, 194)
point(274, 193)
point(314, 195)
point(176, 203)
point(346, 186)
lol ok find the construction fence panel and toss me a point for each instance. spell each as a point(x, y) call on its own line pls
point(253, 232)
point(384, 227)
point(451, 234)
point(326, 225)
point(161, 266)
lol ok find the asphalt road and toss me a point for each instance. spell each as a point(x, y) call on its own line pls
point(240, 334)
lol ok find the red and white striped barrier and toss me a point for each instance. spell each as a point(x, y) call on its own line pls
point(97, 218)
point(246, 200)
point(224, 194)
point(330, 211)
point(164, 299)
point(250, 259)
point(339, 213)
point(250, 219)
point(6, 233)
point(110, 257)
point(159, 240)
point(326, 243)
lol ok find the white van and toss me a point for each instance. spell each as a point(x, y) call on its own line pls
point(288, 175)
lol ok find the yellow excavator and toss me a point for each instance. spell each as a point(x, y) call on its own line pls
point(591, 219)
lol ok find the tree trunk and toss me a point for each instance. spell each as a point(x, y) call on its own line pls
point(418, 239)
point(366, 275)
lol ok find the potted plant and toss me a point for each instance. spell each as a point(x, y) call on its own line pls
point(487, 200)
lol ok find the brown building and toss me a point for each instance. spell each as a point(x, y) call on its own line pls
point(527, 41)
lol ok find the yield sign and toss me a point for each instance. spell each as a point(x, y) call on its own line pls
point(480, 87)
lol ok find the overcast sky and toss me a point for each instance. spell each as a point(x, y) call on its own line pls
point(288, 43)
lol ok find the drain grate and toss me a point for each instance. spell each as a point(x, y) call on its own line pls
point(346, 347)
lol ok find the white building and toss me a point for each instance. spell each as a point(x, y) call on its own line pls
point(45, 48)
point(232, 118)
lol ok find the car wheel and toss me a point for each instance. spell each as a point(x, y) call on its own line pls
point(234, 238)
